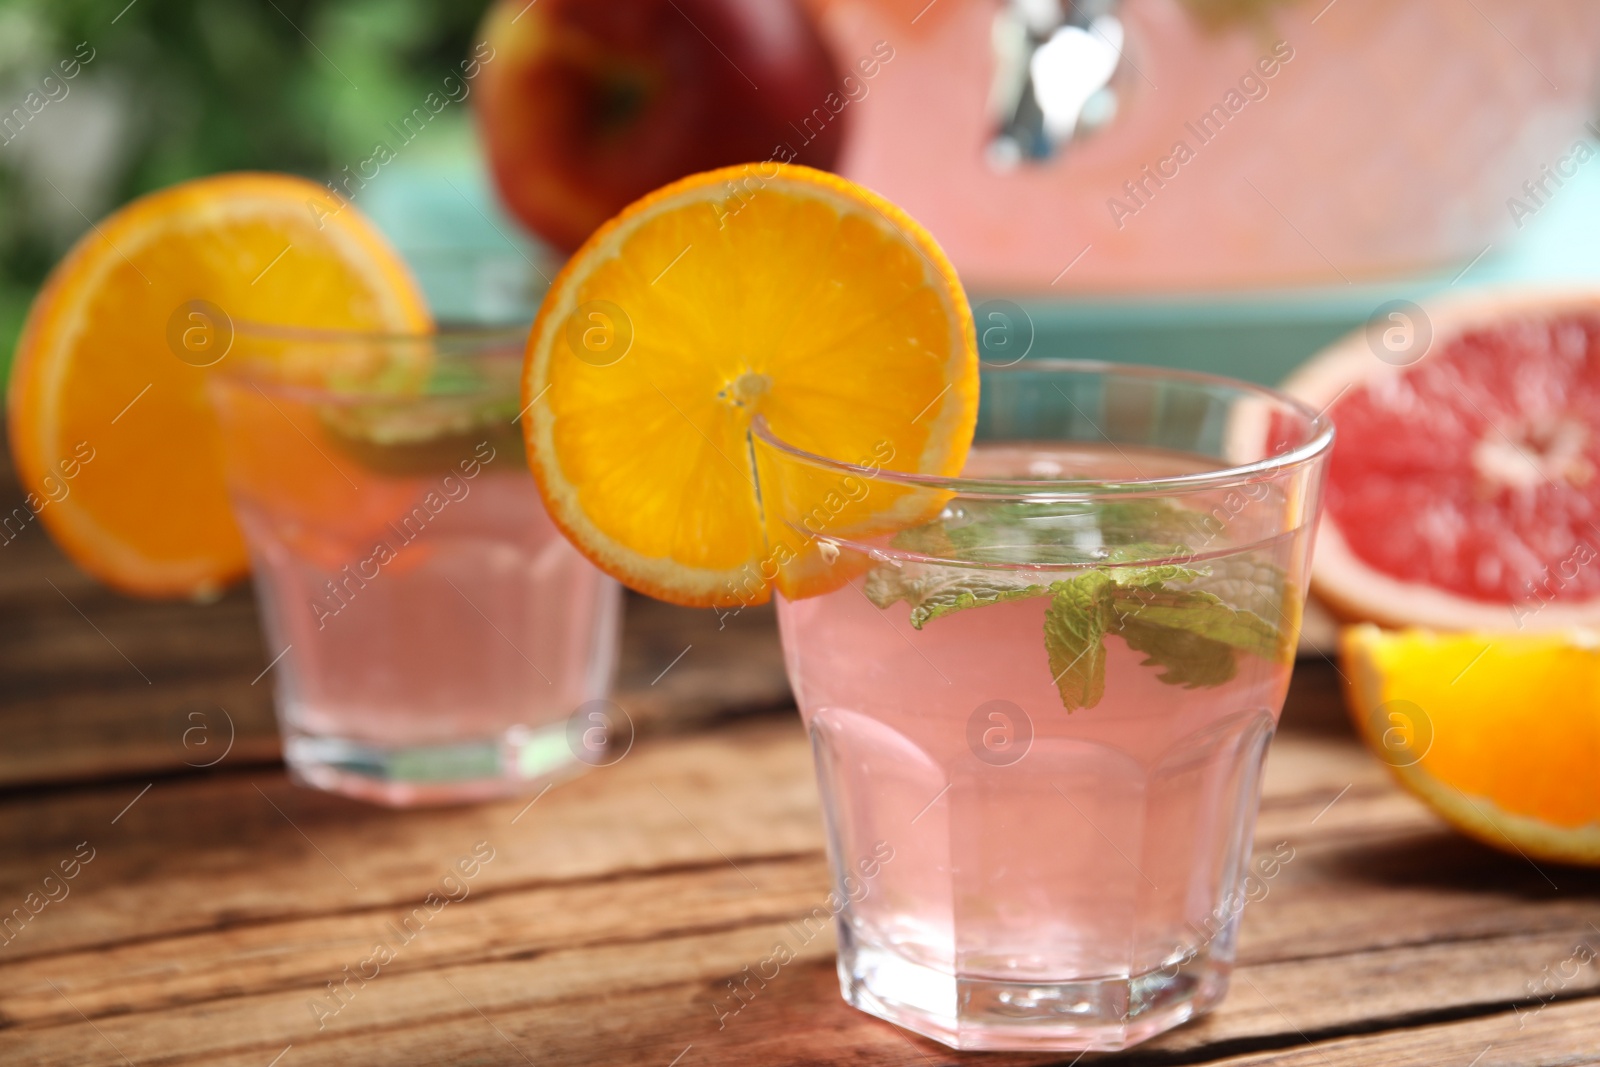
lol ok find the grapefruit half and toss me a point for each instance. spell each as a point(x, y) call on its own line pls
point(1463, 491)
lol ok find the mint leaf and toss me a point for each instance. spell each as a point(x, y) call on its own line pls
point(933, 592)
point(1247, 583)
point(887, 585)
point(1186, 658)
point(1084, 609)
point(1152, 579)
point(1256, 586)
point(1202, 613)
point(929, 539)
point(1191, 622)
point(1074, 637)
point(958, 598)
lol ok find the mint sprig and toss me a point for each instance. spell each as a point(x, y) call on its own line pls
point(1169, 613)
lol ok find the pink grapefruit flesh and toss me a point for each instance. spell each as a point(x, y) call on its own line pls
point(1464, 488)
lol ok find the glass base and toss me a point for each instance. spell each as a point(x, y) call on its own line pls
point(1098, 1015)
point(448, 772)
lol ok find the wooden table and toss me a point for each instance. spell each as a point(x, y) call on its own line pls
point(218, 902)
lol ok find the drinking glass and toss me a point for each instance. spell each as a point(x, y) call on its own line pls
point(433, 633)
point(1039, 695)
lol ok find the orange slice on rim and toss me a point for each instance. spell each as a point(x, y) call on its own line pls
point(110, 426)
point(759, 289)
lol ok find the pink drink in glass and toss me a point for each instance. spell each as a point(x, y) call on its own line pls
point(435, 637)
point(1061, 877)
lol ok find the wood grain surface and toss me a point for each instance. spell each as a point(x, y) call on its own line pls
point(217, 903)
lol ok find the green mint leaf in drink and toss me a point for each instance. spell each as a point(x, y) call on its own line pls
point(1247, 583)
point(936, 591)
point(1189, 634)
point(1131, 580)
point(959, 598)
point(1185, 658)
point(1082, 611)
point(1074, 637)
point(1191, 621)
point(1203, 614)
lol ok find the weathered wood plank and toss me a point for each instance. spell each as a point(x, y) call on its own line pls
point(605, 864)
point(203, 853)
point(672, 993)
point(255, 850)
point(263, 850)
point(485, 925)
point(495, 924)
point(1560, 1035)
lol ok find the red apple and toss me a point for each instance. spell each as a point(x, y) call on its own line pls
point(586, 105)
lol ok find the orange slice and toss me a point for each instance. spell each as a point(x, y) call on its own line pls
point(759, 289)
point(1498, 733)
point(110, 427)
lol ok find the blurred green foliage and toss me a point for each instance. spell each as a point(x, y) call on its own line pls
point(180, 88)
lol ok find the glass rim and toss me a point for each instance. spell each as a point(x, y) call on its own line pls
point(496, 347)
point(449, 330)
point(1320, 429)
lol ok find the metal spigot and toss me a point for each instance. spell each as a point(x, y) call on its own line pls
point(1054, 63)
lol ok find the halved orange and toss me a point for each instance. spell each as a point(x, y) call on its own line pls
point(1497, 732)
point(110, 427)
point(762, 289)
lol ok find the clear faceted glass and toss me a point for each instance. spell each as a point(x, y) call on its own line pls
point(436, 631)
point(1037, 842)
